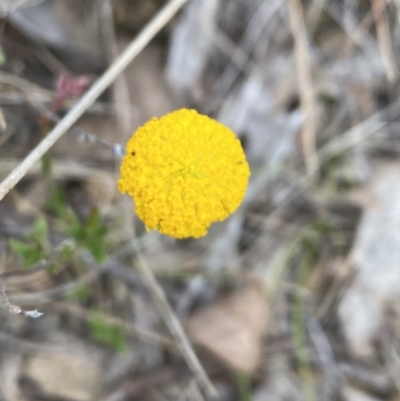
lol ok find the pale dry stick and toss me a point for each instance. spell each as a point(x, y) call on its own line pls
point(360, 32)
point(14, 309)
point(383, 33)
point(193, 392)
point(350, 22)
point(306, 90)
point(135, 47)
point(175, 328)
point(10, 308)
point(121, 94)
point(315, 13)
point(349, 10)
point(360, 36)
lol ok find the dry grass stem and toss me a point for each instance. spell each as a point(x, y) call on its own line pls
point(305, 85)
point(176, 329)
point(359, 33)
point(120, 88)
point(109, 76)
point(383, 33)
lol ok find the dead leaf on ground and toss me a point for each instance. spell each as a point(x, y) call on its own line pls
point(233, 328)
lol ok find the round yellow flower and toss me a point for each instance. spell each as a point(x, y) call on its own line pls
point(184, 171)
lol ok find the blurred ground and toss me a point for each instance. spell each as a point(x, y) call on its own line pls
point(294, 297)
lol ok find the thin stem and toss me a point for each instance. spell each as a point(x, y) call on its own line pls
point(300, 336)
point(176, 329)
point(306, 90)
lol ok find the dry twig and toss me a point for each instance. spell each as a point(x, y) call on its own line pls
point(176, 329)
point(305, 85)
point(15, 309)
point(383, 33)
point(121, 93)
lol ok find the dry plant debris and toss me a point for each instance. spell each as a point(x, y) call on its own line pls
point(61, 375)
point(233, 328)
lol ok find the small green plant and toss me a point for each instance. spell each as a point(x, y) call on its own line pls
point(3, 58)
point(244, 385)
point(81, 293)
point(337, 174)
point(107, 334)
point(57, 203)
point(91, 235)
point(35, 248)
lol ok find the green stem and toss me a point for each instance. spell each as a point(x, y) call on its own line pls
point(300, 336)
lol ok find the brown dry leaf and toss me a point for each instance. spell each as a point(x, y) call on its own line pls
point(233, 328)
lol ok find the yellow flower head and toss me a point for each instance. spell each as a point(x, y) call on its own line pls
point(184, 171)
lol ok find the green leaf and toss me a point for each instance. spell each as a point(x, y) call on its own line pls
point(34, 248)
point(40, 231)
point(80, 293)
point(47, 165)
point(244, 385)
point(29, 253)
point(57, 202)
point(52, 269)
point(2, 56)
point(91, 235)
point(104, 333)
point(19, 248)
